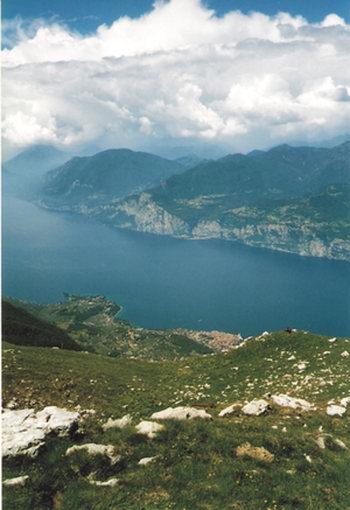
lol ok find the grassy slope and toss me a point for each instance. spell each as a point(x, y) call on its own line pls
point(197, 465)
point(22, 327)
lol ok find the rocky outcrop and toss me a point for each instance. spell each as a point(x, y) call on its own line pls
point(181, 413)
point(149, 428)
point(143, 214)
point(256, 407)
point(94, 449)
point(293, 403)
point(24, 431)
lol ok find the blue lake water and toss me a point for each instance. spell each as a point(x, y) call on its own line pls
point(163, 282)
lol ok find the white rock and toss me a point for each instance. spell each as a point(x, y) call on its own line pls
point(345, 354)
point(146, 460)
point(345, 401)
point(112, 482)
point(334, 410)
point(256, 407)
point(340, 443)
point(294, 403)
point(19, 481)
point(181, 413)
point(58, 420)
point(321, 443)
point(24, 431)
point(302, 366)
point(94, 449)
point(121, 423)
point(229, 410)
point(149, 428)
point(332, 340)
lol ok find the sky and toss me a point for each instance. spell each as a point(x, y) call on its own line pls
point(201, 76)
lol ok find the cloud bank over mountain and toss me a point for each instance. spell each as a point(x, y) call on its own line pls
point(177, 73)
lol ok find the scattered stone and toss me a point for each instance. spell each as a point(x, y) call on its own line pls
point(256, 407)
point(340, 443)
point(345, 354)
point(94, 449)
point(332, 340)
point(334, 410)
point(19, 481)
point(181, 413)
point(345, 401)
point(294, 403)
point(149, 428)
point(146, 460)
point(254, 452)
point(302, 366)
point(112, 482)
point(308, 458)
point(24, 431)
point(233, 409)
point(121, 423)
point(320, 441)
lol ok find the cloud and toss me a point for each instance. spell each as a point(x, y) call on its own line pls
point(179, 72)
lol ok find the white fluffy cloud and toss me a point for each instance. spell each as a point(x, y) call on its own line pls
point(178, 72)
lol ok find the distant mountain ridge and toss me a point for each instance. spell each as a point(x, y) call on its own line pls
point(108, 174)
point(293, 199)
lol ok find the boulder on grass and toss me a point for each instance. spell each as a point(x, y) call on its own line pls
point(149, 428)
point(181, 413)
point(94, 449)
point(256, 407)
point(334, 410)
point(24, 431)
point(293, 403)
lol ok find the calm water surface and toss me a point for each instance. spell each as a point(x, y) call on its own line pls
point(164, 282)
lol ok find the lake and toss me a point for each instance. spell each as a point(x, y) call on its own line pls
point(163, 282)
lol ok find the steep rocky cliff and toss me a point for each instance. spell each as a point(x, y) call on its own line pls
point(284, 228)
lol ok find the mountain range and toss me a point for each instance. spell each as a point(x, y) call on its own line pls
point(107, 175)
point(292, 199)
